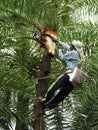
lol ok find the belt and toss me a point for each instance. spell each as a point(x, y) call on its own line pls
point(69, 71)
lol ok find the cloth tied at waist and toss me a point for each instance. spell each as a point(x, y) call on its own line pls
point(69, 71)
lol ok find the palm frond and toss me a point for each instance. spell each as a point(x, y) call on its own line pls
point(86, 112)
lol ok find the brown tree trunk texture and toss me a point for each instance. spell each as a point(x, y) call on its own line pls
point(41, 90)
point(22, 109)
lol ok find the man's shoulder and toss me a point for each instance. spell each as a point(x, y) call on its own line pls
point(73, 52)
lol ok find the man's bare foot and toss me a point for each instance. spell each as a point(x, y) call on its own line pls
point(39, 98)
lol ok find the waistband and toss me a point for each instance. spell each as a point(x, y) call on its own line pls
point(69, 71)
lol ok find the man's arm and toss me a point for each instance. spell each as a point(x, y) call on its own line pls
point(64, 45)
point(68, 56)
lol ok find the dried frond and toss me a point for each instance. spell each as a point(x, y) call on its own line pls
point(47, 40)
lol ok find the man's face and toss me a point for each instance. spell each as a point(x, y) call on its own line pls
point(72, 47)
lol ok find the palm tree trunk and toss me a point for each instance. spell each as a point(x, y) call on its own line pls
point(41, 90)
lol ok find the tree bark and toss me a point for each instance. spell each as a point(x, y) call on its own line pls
point(41, 90)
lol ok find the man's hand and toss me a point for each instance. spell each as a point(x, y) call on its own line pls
point(54, 40)
point(59, 47)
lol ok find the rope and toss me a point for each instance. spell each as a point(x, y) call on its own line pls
point(46, 77)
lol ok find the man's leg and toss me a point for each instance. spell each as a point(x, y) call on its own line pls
point(65, 90)
point(53, 88)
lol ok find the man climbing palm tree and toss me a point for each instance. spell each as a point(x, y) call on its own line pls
point(61, 88)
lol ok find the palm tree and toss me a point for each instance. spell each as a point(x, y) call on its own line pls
point(21, 24)
point(23, 21)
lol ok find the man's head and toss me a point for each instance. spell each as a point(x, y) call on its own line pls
point(77, 45)
point(72, 47)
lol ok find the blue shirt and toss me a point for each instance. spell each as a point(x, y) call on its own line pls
point(71, 57)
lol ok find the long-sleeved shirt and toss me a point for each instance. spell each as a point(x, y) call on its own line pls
point(71, 57)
